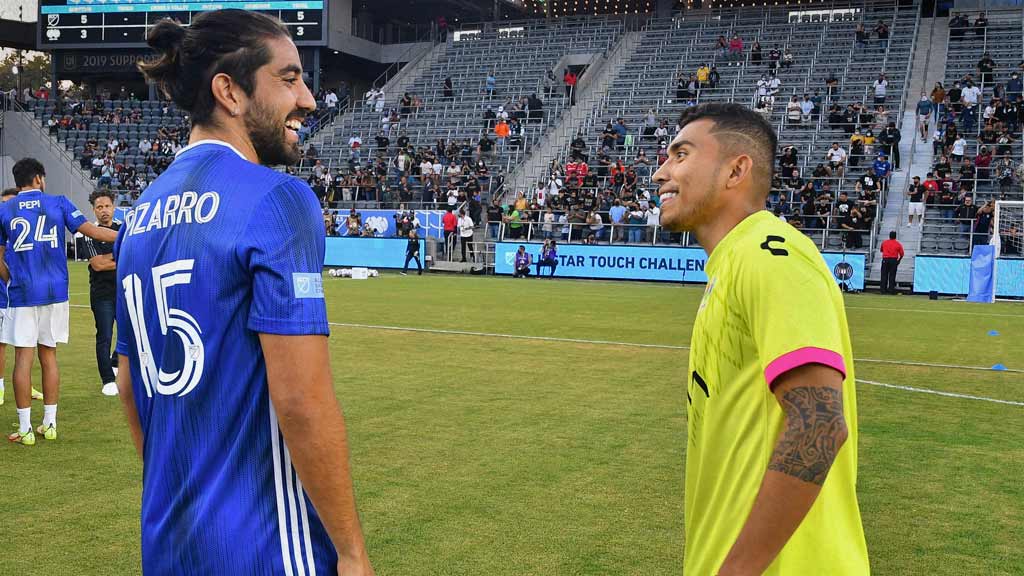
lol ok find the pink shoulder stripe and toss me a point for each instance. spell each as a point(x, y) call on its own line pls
point(801, 357)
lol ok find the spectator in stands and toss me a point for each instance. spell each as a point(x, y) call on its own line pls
point(570, 79)
point(1011, 241)
point(836, 157)
point(1006, 172)
point(621, 131)
point(1014, 113)
point(916, 196)
point(490, 84)
point(880, 86)
point(980, 24)
point(448, 88)
point(860, 36)
point(958, 26)
point(787, 58)
point(882, 33)
point(832, 84)
point(755, 54)
point(807, 108)
point(794, 112)
point(550, 83)
point(882, 170)
point(703, 72)
point(985, 67)
point(501, 132)
point(535, 106)
point(857, 149)
point(773, 61)
point(767, 88)
point(983, 224)
point(485, 147)
point(853, 227)
point(924, 114)
point(736, 50)
point(965, 214)
point(959, 148)
point(721, 46)
point(1014, 86)
point(890, 141)
point(1004, 144)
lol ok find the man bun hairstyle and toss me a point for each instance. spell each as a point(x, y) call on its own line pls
point(739, 130)
point(231, 42)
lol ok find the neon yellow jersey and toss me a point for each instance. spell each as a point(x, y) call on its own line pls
point(770, 305)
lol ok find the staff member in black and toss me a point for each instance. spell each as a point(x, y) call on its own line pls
point(412, 252)
point(103, 288)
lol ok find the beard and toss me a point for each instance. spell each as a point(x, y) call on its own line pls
point(699, 211)
point(267, 136)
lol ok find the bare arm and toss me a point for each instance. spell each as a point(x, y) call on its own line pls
point(98, 233)
point(815, 430)
point(124, 392)
point(102, 263)
point(302, 392)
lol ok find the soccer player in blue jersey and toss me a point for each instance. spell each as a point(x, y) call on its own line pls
point(36, 266)
point(222, 326)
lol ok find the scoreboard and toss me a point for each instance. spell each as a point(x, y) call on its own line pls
point(67, 24)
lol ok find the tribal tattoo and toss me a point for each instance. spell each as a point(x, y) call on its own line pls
point(815, 430)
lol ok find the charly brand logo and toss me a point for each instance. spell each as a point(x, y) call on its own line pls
point(510, 258)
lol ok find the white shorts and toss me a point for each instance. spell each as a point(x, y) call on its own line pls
point(916, 209)
point(33, 326)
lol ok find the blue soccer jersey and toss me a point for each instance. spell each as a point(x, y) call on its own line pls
point(216, 251)
point(32, 231)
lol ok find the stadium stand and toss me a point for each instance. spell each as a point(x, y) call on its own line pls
point(668, 74)
point(980, 58)
point(445, 125)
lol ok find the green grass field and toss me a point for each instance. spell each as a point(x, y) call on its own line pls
point(481, 455)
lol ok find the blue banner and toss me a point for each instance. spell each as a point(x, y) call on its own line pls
point(982, 287)
point(102, 6)
point(367, 252)
point(952, 275)
point(383, 222)
point(670, 264)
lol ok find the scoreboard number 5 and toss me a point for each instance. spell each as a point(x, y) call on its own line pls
point(300, 16)
point(85, 19)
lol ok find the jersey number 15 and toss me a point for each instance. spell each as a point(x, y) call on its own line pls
point(182, 380)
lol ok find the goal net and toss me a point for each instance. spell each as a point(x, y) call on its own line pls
point(1008, 240)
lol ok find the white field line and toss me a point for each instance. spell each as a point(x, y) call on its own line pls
point(940, 393)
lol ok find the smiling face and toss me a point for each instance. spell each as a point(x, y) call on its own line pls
point(278, 105)
point(691, 178)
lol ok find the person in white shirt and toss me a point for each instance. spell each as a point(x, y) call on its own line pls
point(653, 221)
point(453, 196)
point(880, 87)
point(112, 145)
point(806, 108)
point(959, 147)
point(145, 145)
point(836, 157)
point(563, 221)
point(970, 94)
point(354, 144)
point(379, 105)
point(426, 170)
point(331, 100)
point(548, 228)
point(466, 233)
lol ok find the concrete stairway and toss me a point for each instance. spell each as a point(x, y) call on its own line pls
point(916, 155)
point(593, 86)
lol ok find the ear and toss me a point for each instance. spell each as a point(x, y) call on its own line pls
point(739, 171)
point(228, 95)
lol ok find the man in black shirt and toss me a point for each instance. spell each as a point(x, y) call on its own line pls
point(412, 252)
point(103, 288)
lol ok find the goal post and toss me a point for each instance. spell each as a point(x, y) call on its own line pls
point(1008, 239)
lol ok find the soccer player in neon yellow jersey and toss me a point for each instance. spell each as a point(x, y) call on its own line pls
point(771, 463)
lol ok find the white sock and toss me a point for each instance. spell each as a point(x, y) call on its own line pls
point(24, 419)
point(49, 415)
point(1, 384)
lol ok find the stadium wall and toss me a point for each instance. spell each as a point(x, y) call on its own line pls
point(952, 275)
point(660, 263)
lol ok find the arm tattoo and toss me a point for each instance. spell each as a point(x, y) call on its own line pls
point(815, 430)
